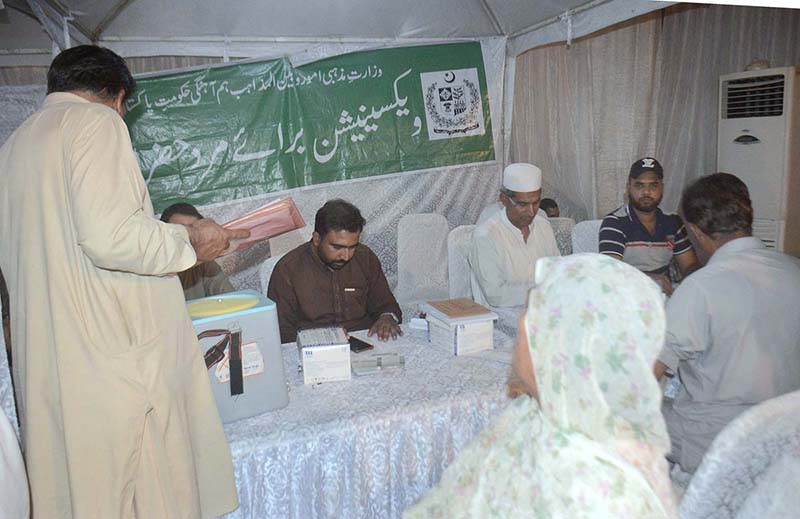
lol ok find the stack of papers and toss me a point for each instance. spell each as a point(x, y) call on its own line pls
point(270, 220)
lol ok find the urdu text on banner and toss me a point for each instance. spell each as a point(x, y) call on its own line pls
point(242, 130)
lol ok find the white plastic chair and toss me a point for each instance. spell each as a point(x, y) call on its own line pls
point(752, 469)
point(265, 271)
point(422, 258)
point(458, 271)
point(585, 236)
point(282, 244)
point(6, 387)
point(489, 211)
point(562, 229)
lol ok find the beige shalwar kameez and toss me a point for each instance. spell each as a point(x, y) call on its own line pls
point(116, 410)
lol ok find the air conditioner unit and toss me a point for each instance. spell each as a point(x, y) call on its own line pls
point(759, 142)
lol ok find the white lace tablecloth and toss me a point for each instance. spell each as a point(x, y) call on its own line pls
point(368, 448)
point(507, 318)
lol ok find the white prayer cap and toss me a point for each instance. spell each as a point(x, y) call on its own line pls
point(522, 178)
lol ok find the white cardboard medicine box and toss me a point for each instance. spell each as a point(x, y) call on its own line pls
point(324, 355)
point(461, 325)
point(463, 338)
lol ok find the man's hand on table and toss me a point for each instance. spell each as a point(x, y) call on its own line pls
point(210, 239)
point(385, 327)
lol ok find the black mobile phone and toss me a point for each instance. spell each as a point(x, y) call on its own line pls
point(357, 345)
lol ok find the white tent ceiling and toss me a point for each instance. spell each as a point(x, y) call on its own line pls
point(238, 28)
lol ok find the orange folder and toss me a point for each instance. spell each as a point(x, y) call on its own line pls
point(270, 220)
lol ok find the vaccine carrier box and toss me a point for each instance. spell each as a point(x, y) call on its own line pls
point(240, 342)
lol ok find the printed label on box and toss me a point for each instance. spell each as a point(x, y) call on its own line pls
point(326, 363)
point(252, 363)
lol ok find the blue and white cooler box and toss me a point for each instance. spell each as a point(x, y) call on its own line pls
point(240, 341)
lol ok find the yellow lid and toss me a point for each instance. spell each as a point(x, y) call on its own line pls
point(210, 307)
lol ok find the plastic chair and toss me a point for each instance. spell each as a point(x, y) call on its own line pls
point(458, 271)
point(752, 469)
point(422, 258)
point(265, 271)
point(562, 229)
point(585, 236)
point(282, 244)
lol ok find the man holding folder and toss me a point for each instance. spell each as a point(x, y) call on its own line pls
point(117, 415)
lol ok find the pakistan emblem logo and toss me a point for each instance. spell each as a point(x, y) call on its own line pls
point(453, 105)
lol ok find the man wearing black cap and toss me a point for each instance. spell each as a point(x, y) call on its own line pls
point(640, 234)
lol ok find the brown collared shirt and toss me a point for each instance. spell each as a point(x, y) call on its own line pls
point(309, 294)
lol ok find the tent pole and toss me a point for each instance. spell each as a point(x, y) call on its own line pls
point(109, 18)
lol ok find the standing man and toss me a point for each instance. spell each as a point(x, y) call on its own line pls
point(205, 279)
point(117, 416)
point(640, 234)
point(733, 333)
point(334, 280)
point(506, 246)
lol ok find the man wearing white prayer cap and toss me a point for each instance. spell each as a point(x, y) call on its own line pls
point(505, 246)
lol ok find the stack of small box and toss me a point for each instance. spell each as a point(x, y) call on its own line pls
point(324, 355)
point(461, 325)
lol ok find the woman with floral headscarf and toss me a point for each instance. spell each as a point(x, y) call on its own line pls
point(588, 440)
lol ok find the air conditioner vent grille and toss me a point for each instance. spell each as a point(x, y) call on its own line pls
point(768, 231)
point(753, 97)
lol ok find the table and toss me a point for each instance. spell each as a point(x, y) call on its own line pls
point(507, 318)
point(368, 448)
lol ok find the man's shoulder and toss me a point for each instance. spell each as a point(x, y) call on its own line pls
point(617, 221)
point(673, 221)
point(365, 257)
point(365, 252)
point(707, 277)
point(489, 227)
point(618, 215)
point(294, 257)
point(85, 113)
point(543, 222)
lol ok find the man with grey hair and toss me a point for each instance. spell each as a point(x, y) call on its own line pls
point(733, 333)
point(506, 246)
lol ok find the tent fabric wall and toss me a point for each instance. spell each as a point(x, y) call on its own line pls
point(698, 45)
point(647, 86)
point(582, 112)
point(22, 89)
point(456, 192)
point(17, 76)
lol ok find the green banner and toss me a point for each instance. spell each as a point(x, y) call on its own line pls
point(235, 131)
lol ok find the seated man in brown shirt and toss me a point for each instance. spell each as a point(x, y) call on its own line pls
point(204, 279)
point(334, 280)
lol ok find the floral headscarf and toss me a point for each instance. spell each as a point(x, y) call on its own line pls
point(595, 447)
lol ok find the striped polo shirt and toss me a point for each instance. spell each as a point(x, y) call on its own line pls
point(623, 235)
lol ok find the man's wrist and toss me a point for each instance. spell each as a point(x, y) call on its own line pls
point(390, 314)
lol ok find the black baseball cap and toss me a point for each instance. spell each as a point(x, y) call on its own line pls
point(646, 165)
